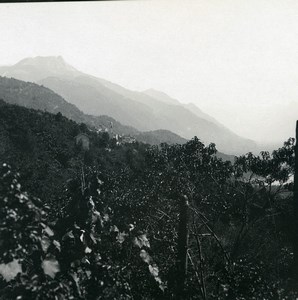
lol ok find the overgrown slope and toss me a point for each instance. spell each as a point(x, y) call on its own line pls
point(42, 147)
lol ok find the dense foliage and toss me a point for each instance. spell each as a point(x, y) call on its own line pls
point(118, 220)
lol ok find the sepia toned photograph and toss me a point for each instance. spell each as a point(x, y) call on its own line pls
point(148, 150)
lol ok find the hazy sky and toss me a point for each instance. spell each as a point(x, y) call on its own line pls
point(236, 59)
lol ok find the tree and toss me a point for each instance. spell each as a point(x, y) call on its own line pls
point(186, 175)
point(295, 205)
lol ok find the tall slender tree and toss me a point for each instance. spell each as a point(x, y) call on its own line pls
point(295, 215)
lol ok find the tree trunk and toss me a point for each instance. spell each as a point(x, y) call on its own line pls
point(182, 247)
point(295, 213)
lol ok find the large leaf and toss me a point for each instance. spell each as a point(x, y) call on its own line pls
point(9, 271)
point(142, 241)
point(50, 267)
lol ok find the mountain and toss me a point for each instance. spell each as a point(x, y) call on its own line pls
point(147, 111)
point(93, 98)
point(31, 95)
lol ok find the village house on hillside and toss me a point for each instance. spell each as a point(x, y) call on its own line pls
point(83, 140)
point(128, 139)
point(123, 139)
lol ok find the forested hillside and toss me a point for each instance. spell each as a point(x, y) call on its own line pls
point(129, 221)
point(42, 147)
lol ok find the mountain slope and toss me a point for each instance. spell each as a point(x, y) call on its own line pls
point(187, 120)
point(162, 97)
point(93, 98)
point(140, 110)
point(37, 97)
point(31, 95)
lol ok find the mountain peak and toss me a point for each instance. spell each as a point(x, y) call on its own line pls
point(43, 61)
point(40, 67)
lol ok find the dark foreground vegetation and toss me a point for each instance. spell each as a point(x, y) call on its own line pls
point(129, 221)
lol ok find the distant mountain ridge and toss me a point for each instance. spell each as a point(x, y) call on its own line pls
point(147, 111)
point(163, 97)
